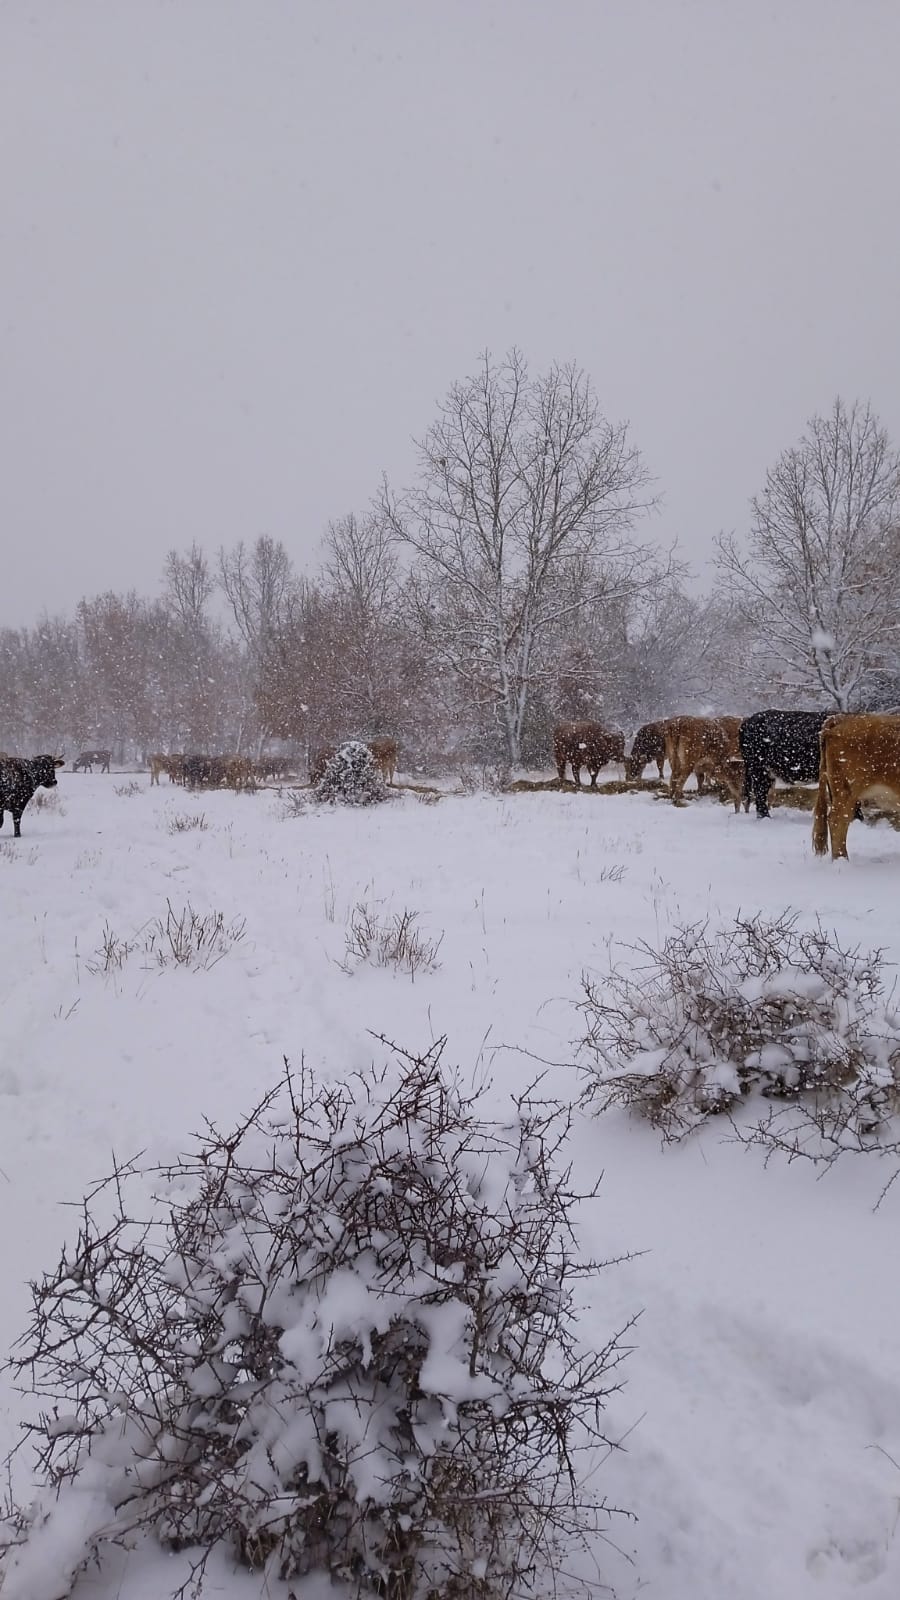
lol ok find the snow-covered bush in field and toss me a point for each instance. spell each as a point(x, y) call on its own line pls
point(348, 1349)
point(760, 1006)
point(352, 777)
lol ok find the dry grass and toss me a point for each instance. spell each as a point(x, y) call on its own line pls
point(392, 941)
point(11, 850)
point(422, 791)
point(612, 786)
point(800, 796)
point(797, 796)
point(295, 802)
point(48, 800)
point(126, 790)
point(184, 938)
point(186, 821)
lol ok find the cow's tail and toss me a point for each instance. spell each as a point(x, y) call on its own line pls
point(820, 814)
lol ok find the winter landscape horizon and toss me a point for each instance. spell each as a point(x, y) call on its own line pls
point(449, 801)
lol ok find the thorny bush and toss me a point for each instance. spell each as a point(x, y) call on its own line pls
point(347, 1347)
point(759, 1007)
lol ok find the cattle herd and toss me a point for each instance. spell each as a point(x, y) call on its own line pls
point(852, 758)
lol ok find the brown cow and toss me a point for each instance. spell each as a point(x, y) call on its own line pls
point(384, 754)
point(585, 744)
point(859, 760)
point(708, 747)
point(319, 762)
point(173, 766)
point(238, 773)
point(649, 744)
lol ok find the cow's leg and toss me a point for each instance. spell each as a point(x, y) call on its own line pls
point(758, 783)
point(593, 776)
point(576, 774)
point(561, 773)
point(659, 765)
point(17, 818)
point(842, 803)
point(1, 819)
point(839, 816)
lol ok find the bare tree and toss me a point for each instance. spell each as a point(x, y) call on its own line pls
point(260, 587)
point(258, 584)
point(360, 567)
point(819, 580)
point(519, 478)
point(189, 585)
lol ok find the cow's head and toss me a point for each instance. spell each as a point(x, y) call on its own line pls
point(44, 769)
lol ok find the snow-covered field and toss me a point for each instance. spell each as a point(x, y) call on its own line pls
point(761, 1410)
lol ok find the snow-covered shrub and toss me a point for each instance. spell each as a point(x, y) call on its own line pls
point(348, 1347)
point(393, 940)
point(760, 1006)
point(352, 777)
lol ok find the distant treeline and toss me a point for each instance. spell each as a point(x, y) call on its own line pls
point(507, 589)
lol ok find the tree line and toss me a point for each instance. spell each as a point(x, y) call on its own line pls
point(506, 588)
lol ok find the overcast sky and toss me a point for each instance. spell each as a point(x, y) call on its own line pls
point(247, 245)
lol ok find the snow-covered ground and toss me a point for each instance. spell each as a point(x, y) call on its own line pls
point(761, 1411)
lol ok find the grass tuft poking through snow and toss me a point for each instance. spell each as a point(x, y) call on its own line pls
point(391, 941)
point(187, 821)
point(186, 938)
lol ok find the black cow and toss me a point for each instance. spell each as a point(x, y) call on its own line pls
point(85, 762)
point(779, 744)
point(204, 772)
point(18, 780)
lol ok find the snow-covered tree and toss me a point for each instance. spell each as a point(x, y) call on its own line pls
point(818, 581)
point(519, 477)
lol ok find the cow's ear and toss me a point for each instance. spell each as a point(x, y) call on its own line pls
point(59, 761)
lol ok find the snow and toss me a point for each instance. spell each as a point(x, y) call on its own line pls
point(760, 1417)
